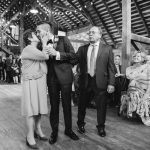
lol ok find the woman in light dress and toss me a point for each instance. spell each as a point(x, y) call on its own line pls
point(137, 99)
point(34, 96)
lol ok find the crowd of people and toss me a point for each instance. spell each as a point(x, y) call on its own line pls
point(10, 69)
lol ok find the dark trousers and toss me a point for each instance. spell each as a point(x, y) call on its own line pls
point(101, 97)
point(54, 93)
point(117, 93)
point(1, 75)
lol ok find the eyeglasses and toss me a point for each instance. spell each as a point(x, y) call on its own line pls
point(92, 32)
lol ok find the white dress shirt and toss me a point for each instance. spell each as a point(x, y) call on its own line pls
point(96, 48)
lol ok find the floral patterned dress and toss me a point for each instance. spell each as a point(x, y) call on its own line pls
point(137, 98)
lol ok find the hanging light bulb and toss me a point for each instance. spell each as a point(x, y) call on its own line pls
point(12, 26)
point(34, 11)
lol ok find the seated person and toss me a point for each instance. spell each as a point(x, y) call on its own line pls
point(118, 81)
point(137, 100)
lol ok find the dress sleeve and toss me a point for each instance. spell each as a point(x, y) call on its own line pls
point(33, 53)
point(131, 74)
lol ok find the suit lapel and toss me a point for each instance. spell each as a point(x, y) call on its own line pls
point(100, 49)
point(85, 52)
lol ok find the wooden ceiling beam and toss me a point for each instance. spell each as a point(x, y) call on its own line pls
point(13, 2)
point(13, 18)
point(77, 9)
point(141, 39)
point(142, 17)
point(119, 4)
point(64, 7)
point(85, 11)
point(114, 21)
point(63, 20)
point(68, 17)
point(104, 25)
point(89, 17)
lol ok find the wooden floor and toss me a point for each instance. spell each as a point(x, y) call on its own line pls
point(122, 134)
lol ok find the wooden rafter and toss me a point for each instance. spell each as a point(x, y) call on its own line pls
point(85, 11)
point(142, 17)
point(61, 18)
point(13, 18)
point(103, 23)
point(132, 42)
point(64, 7)
point(141, 39)
point(113, 19)
point(13, 2)
point(75, 7)
point(68, 17)
point(89, 16)
point(134, 45)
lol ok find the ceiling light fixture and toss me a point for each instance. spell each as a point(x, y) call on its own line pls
point(34, 11)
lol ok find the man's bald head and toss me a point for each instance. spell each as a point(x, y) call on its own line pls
point(45, 26)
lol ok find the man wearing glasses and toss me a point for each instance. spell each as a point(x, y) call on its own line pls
point(59, 79)
point(97, 75)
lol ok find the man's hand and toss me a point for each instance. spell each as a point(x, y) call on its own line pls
point(119, 75)
point(110, 89)
point(52, 51)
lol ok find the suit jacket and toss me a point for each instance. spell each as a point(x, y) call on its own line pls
point(105, 69)
point(62, 69)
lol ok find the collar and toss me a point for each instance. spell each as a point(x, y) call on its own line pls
point(95, 44)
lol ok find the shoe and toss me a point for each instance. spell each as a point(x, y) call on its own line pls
point(34, 146)
point(72, 135)
point(101, 132)
point(37, 136)
point(53, 138)
point(81, 129)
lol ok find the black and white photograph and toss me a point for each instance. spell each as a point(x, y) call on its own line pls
point(75, 74)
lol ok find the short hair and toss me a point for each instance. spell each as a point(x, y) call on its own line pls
point(143, 56)
point(117, 56)
point(44, 22)
point(50, 27)
point(27, 34)
point(99, 28)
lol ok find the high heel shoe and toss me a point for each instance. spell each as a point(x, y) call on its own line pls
point(37, 136)
point(34, 146)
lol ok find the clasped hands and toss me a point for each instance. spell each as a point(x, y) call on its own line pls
point(48, 49)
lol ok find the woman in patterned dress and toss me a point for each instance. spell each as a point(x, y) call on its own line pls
point(137, 100)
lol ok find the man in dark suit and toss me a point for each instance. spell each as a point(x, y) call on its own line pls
point(118, 81)
point(97, 74)
point(59, 79)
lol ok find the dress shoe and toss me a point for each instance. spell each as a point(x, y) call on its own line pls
point(101, 132)
point(72, 135)
point(34, 146)
point(53, 138)
point(37, 136)
point(81, 129)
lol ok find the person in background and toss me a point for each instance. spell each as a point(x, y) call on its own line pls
point(4, 69)
point(118, 81)
point(59, 78)
point(34, 93)
point(15, 71)
point(97, 75)
point(1, 68)
point(137, 100)
point(9, 77)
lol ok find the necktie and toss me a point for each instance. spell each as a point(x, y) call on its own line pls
point(92, 62)
point(118, 71)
